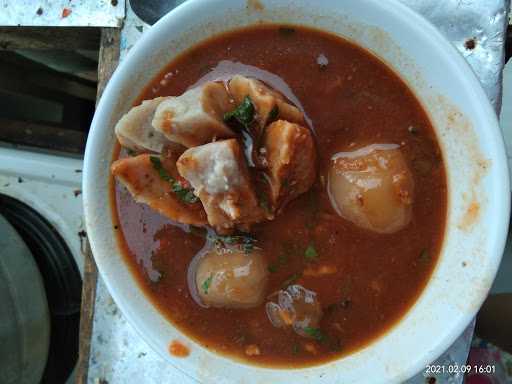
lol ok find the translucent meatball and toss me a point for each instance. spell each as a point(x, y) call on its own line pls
point(297, 307)
point(372, 187)
point(231, 278)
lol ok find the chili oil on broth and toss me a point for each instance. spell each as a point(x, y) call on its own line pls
point(352, 101)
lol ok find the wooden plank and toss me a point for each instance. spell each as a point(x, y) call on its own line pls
point(66, 38)
point(42, 136)
point(86, 315)
point(108, 60)
point(508, 43)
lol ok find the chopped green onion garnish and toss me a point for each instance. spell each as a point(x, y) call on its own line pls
point(425, 256)
point(315, 333)
point(245, 242)
point(292, 279)
point(206, 284)
point(185, 194)
point(244, 113)
point(272, 115)
point(310, 253)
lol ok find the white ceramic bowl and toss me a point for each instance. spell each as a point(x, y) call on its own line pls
point(478, 196)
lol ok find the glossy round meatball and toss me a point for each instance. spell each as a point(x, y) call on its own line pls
point(372, 187)
point(297, 307)
point(231, 278)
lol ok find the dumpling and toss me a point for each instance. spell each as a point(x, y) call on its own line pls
point(265, 100)
point(195, 117)
point(291, 160)
point(231, 278)
point(219, 176)
point(372, 187)
point(141, 176)
point(296, 307)
point(134, 129)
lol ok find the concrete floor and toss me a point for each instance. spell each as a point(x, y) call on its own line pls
point(503, 282)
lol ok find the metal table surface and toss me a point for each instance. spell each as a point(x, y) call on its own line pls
point(475, 27)
point(62, 13)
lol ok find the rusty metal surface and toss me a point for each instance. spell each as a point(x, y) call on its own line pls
point(476, 28)
point(62, 13)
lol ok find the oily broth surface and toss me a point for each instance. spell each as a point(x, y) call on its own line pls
point(354, 100)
